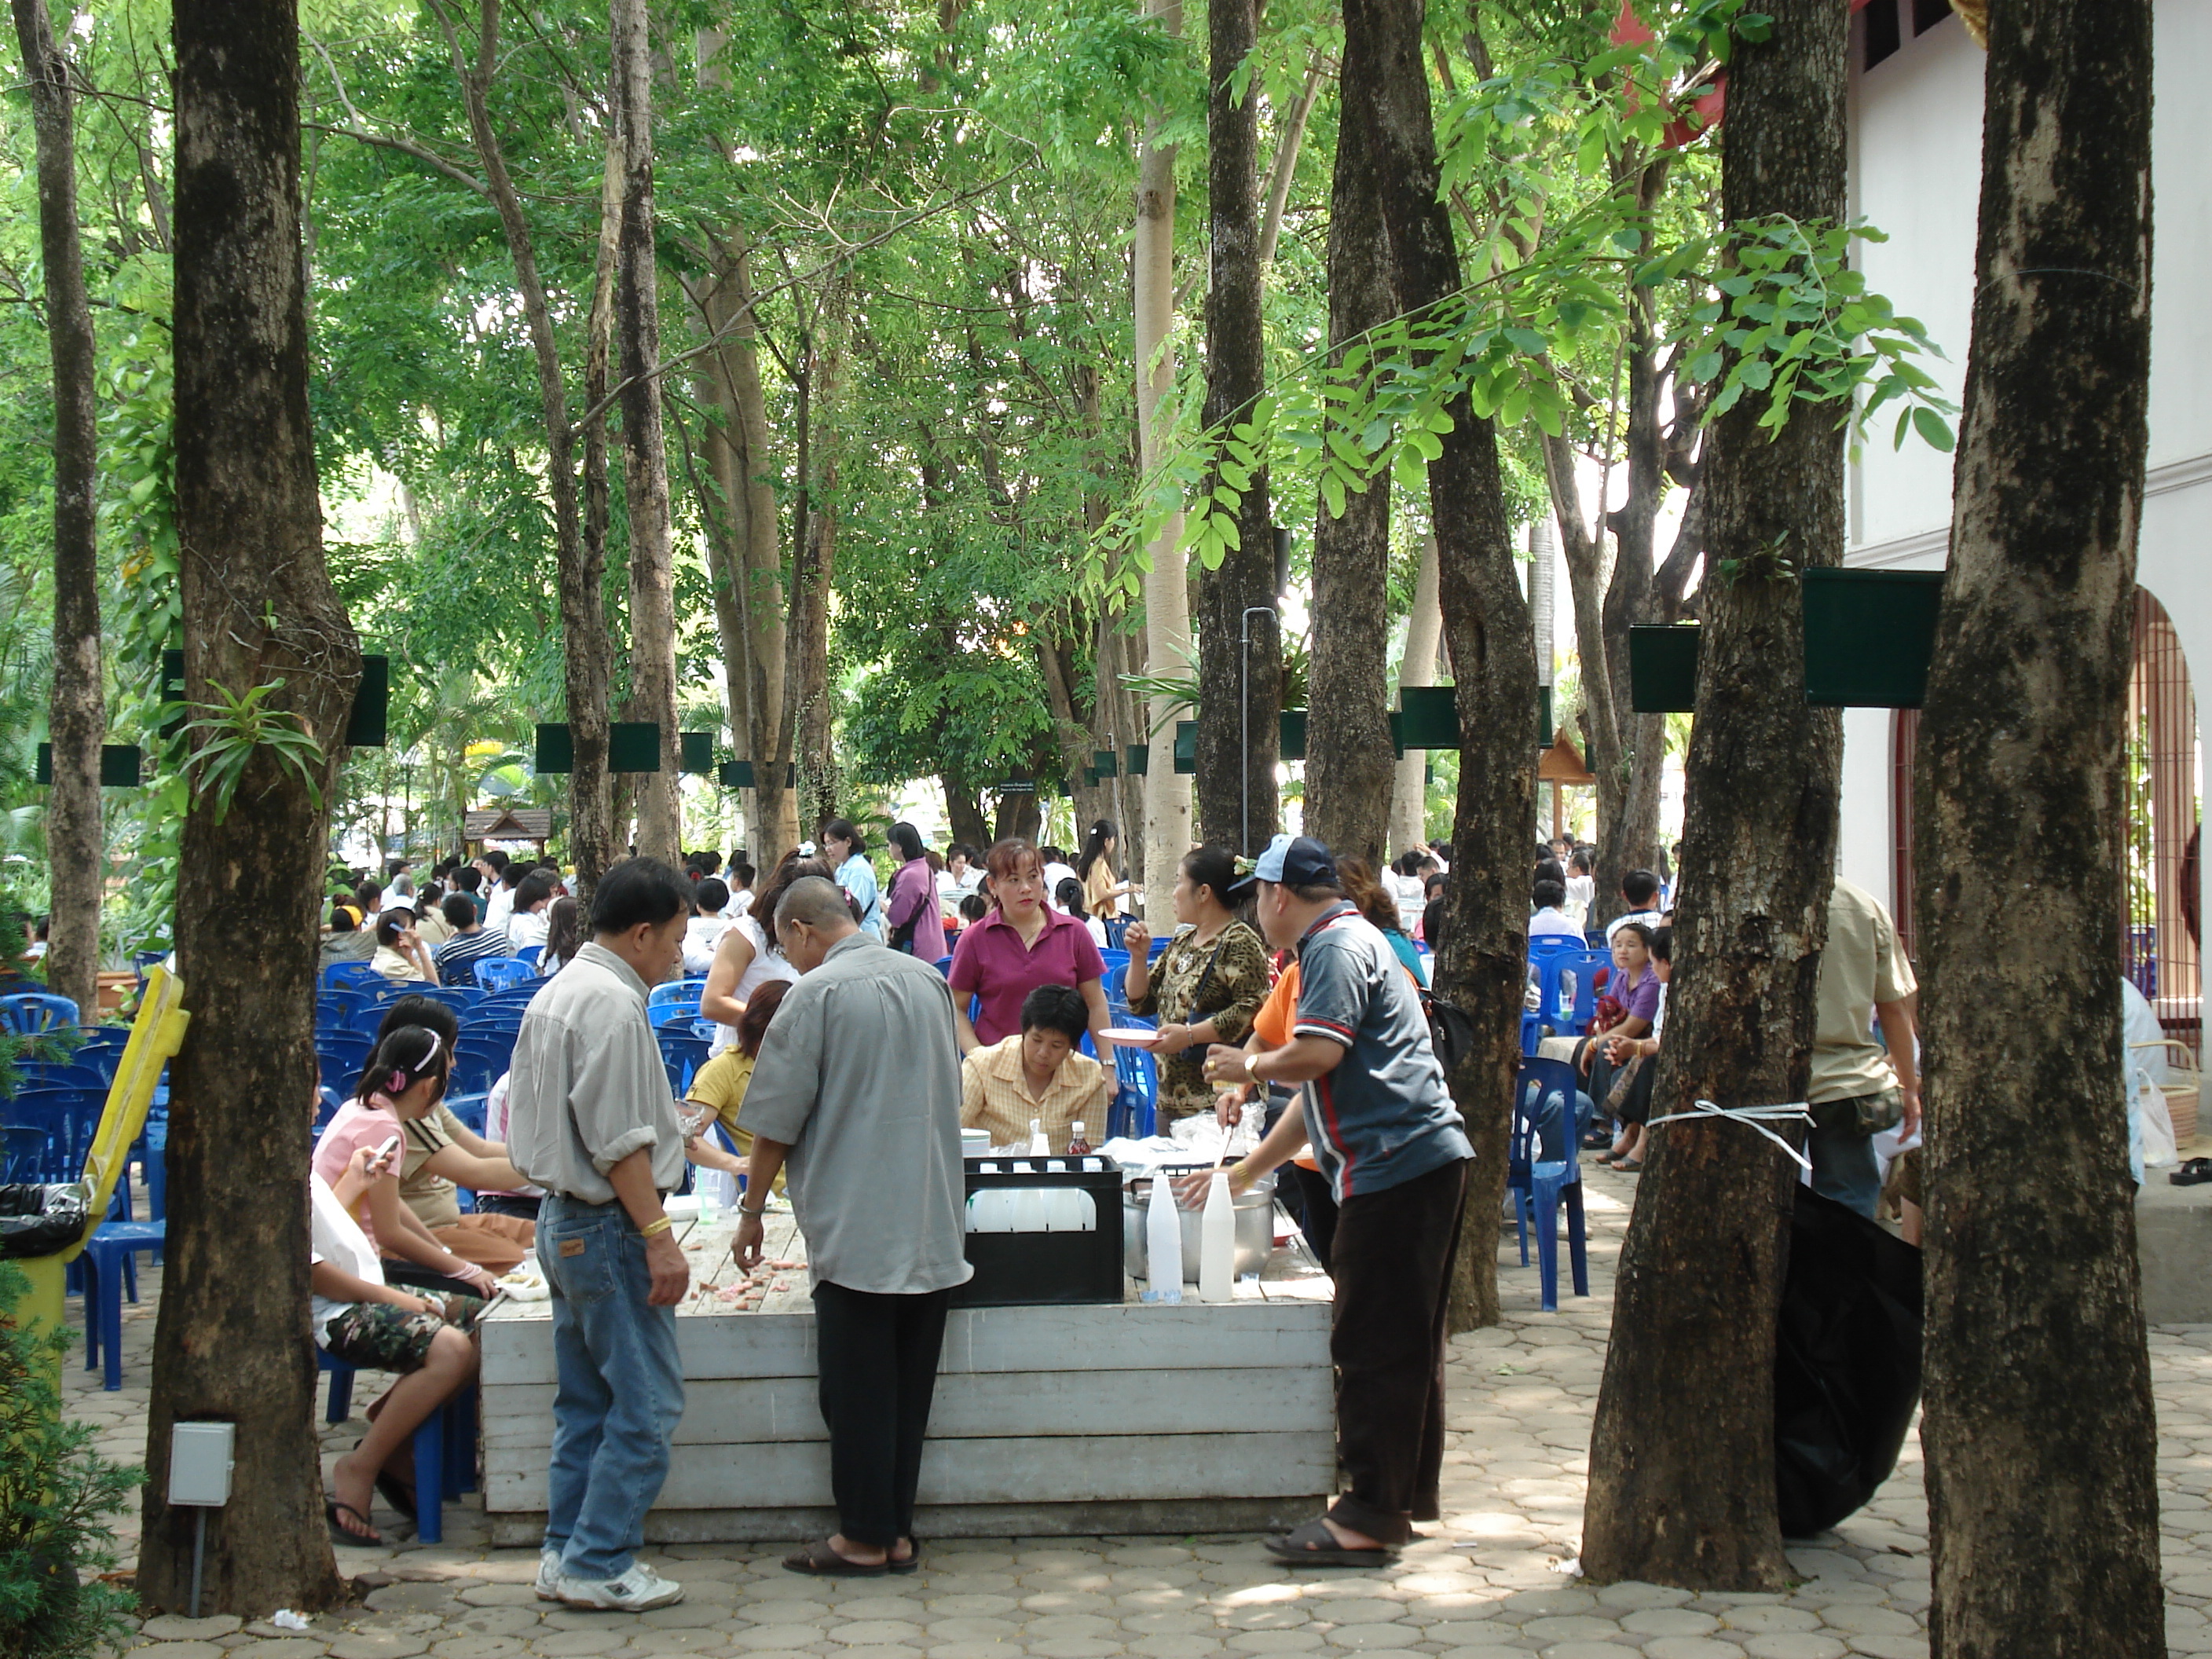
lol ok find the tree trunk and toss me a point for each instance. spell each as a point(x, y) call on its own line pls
point(1285, 166)
point(1584, 556)
point(1417, 666)
point(1482, 969)
point(1239, 650)
point(1168, 828)
point(585, 646)
point(645, 446)
point(966, 818)
point(258, 606)
point(809, 710)
point(2039, 1430)
point(1349, 757)
point(1682, 1451)
point(77, 714)
point(1120, 722)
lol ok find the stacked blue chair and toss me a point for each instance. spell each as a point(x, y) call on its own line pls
point(45, 1074)
point(445, 1447)
point(682, 1051)
point(529, 953)
point(1544, 1122)
point(479, 1060)
point(356, 975)
point(1137, 1087)
point(945, 966)
point(678, 1000)
point(102, 1048)
point(108, 1273)
point(344, 1055)
point(26, 1014)
point(505, 973)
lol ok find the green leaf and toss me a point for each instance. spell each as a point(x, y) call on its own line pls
point(1934, 430)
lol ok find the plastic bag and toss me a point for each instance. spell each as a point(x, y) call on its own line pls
point(37, 1220)
point(2150, 1127)
point(1846, 1363)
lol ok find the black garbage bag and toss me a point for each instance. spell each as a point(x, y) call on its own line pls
point(1846, 1363)
point(36, 1220)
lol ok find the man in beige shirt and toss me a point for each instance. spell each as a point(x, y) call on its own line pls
point(1861, 1087)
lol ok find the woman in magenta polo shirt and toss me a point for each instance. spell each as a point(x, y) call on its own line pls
point(1023, 943)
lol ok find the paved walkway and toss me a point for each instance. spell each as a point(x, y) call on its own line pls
point(1487, 1581)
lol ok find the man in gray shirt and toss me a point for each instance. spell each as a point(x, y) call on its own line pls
point(857, 1094)
point(591, 1119)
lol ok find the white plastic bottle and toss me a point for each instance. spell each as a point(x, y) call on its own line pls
point(1163, 1244)
point(1217, 1240)
point(1039, 1146)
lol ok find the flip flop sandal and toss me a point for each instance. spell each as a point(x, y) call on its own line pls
point(2196, 1169)
point(397, 1492)
point(340, 1533)
point(821, 1561)
point(912, 1563)
point(1628, 1165)
point(1314, 1545)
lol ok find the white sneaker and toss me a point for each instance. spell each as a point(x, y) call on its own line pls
point(548, 1575)
point(639, 1591)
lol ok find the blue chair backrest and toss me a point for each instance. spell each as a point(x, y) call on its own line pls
point(1158, 945)
point(358, 975)
point(1568, 986)
point(1137, 1090)
point(673, 1013)
point(470, 1108)
point(529, 953)
point(29, 1149)
point(505, 973)
point(67, 1117)
point(366, 1021)
point(945, 966)
point(476, 1066)
point(1115, 926)
point(1544, 1088)
point(29, 1011)
point(676, 990)
point(75, 1075)
point(458, 997)
point(1117, 959)
point(683, 1054)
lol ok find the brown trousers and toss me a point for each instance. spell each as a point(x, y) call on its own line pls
point(1391, 1258)
point(496, 1243)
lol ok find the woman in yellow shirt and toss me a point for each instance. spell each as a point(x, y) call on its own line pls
point(720, 1085)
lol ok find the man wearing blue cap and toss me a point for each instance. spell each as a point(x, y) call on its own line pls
point(1395, 1150)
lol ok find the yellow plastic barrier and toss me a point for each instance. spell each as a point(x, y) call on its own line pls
point(155, 1036)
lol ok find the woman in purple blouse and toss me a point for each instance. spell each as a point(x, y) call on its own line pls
point(1636, 988)
point(917, 926)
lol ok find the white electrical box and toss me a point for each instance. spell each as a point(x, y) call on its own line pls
point(200, 1463)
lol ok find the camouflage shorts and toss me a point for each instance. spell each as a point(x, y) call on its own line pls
point(375, 1336)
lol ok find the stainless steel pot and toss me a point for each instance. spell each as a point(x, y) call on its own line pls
point(1255, 1228)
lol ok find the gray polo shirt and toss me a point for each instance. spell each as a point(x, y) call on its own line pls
point(1383, 1117)
point(586, 1086)
point(860, 1074)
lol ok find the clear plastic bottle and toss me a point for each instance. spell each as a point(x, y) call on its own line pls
point(1039, 1145)
point(1163, 1244)
point(1217, 1240)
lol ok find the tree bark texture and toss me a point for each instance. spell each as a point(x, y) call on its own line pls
point(1349, 757)
point(1417, 666)
point(808, 710)
point(1167, 594)
point(1682, 1449)
point(1482, 969)
point(76, 709)
point(645, 445)
point(581, 559)
point(2039, 1430)
point(258, 606)
point(1239, 635)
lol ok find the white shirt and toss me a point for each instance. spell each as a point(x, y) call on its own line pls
point(1581, 891)
point(765, 966)
point(700, 935)
point(336, 1238)
point(1548, 923)
point(1411, 895)
point(2139, 1024)
point(500, 906)
point(527, 928)
point(1053, 875)
point(740, 904)
point(1649, 918)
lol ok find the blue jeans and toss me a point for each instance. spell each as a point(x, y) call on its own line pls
point(621, 1392)
point(1845, 1167)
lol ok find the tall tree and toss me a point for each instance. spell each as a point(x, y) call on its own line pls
point(1682, 1452)
point(2046, 1540)
point(1481, 970)
point(808, 709)
point(1239, 652)
point(1167, 592)
point(645, 449)
point(1417, 666)
point(77, 711)
point(258, 611)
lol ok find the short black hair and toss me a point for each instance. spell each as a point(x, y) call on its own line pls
point(1069, 896)
point(1663, 944)
point(638, 892)
point(973, 907)
point(514, 874)
point(1056, 1008)
point(1549, 870)
point(1640, 929)
point(744, 873)
point(389, 926)
point(530, 889)
point(1548, 895)
point(1580, 863)
point(459, 909)
point(427, 1012)
point(1639, 888)
point(497, 859)
point(468, 878)
point(846, 831)
point(713, 893)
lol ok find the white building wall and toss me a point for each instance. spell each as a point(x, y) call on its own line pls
point(1916, 158)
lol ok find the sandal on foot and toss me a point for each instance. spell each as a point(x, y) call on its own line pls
point(341, 1535)
point(912, 1563)
point(396, 1493)
point(2190, 1173)
point(1629, 1166)
point(821, 1561)
point(1314, 1545)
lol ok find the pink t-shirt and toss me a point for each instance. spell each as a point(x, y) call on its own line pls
point(991, 962)
point(355, 1126)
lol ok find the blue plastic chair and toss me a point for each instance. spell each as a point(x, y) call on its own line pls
point(505, 973)
point(26, 1149)
point(673, 1013)
point(75, 1075)
point(27, 1012)
point(1158, 946)
point(945, 966)
point(458, 997)
point(682, 1052)
point(353, 975)
point(1545, 1092)
point(676, 990)
point(101, 1049)
point(341, 1000)
point(68, 1117)
point(529, 953)
point(106, 1261)
point(477, 1063)
point(470, 1110)
point(1137, 1091)
point(332, 1100)
point(1568, 1011)
point(444, 1446)
point(345, 1052)
point(1116, 960)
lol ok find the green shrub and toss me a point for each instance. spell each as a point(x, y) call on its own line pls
point(57, 1495)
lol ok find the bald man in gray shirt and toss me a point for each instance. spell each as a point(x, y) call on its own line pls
point(856, 1094)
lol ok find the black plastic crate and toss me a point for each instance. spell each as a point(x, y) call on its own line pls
point(1028, 1269)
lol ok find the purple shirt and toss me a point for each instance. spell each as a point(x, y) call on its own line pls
point(1642, 1001)
point(913, 897)
point(991, 962)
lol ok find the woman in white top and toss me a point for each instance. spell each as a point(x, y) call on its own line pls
point(1582, 888)
point(748, 957)
point(1407, 890)
point(705, 929)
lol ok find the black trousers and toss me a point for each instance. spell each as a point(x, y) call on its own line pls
point(878, 1359)
point(1391, 1260)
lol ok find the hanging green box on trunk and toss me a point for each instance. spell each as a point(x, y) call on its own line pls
point(634, 747)
point(1105, 763)
point(1662, 668)
point(696, 751)
point(1870, 636)
point(1292, 726)
point(1138, 761)
point(366, 725)
point(556, 748)
point(1186, 747)
point(121, 765)
point(735, 774)
point(1431, 716)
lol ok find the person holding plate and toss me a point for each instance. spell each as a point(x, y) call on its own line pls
point(1208, 984)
